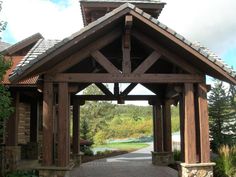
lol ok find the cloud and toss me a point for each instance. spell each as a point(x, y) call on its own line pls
point(53, 20)
point(211, 22)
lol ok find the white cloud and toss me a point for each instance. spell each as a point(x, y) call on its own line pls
point(211, 22)
point(54, 21)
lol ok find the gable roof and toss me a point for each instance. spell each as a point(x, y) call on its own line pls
point(4, 45)
point(208, 59)
point(22, 44)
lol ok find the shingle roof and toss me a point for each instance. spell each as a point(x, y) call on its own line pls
point(4, 45)
point(29, 61)
point(39, 48)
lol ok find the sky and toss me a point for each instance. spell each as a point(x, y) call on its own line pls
point(210, 22)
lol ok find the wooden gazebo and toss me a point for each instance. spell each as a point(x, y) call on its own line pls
point(127, 45)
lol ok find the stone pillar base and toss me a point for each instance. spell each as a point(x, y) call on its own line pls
point(11, 157)
point(196, 170)
point(77, 158)
point(162, 158)
point(54, 171)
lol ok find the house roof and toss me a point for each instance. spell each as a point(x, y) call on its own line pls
point(22, 44)
point(4, 45)
point(199, 54)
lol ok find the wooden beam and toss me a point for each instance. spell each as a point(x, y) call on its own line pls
point(76, 127)
point(116, 89)
point(63, 125)
point(166, 108)
point(126, 78)
point(126, 47)
point(189, 126)
point(128, 89)
point(48, 124)
point(105, 97)
point(154, 117)
point(104, 89)
point(86, 51)
point(147, 63)
point(128, 21)
point(203, 124)
point(102, 60)
point(181, 116)
point(159, 128)
point(171, 57)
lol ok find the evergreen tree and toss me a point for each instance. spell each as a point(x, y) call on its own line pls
point(5, 101)
point(221, 116)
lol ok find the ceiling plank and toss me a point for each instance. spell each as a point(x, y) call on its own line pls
point(147, 63)
point(102, 60)
point(171, 57)
point(126, 78)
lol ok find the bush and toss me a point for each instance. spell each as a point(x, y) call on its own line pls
point(100, 138)
point(87, 151)
point(22, 173)
point(226, 162)
point(177, 155)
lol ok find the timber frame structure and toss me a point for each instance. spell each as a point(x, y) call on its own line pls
point(127, 45)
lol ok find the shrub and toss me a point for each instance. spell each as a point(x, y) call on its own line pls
point(22, 173)
point(100, 138)
point(177, 155)
point(226, 162)
point(88, 151)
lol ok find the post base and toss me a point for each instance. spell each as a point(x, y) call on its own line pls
point(77, 158)
point(11, 157)
point(196, 170)
point(54, 171)
point(162, 158)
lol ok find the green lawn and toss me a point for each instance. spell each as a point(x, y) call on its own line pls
point(128, 146)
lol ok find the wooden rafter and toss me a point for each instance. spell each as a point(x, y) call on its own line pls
point(86, 51)
point(109, 98)
point(104, 89)
point(171, 57)
point(126, 78)
point(102, 60)
point(116, 89)
point(147, 63)
point(128, 89)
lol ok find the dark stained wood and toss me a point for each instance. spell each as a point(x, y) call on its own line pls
point(185, 46)
point(127, 78)
point(128, 21)
point(48, 124)
point(128, 89)
point(76, 126)
point(203, 124)
point(159, 128)
point(166, 108)
point(189, 126)
point(86, 51)
point(128, 97)
point(11, 138)
point(116, 89)
point(104, 89)
point(147, 63)
point(171, 57)
point(126, 47)
point(154, 117)
point(181, 116)
point(102, 60)
point(63, 125)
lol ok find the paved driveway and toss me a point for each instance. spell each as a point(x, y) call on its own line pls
point(135, 164)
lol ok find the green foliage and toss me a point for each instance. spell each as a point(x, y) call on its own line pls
point(175, 121)
point(101, 153)
point(124, 146)
point(222, 116)
point(177, 155)
point(100, 137)
point(87, 151)
point(226, 162)
point(5, 101)
point(22, 173)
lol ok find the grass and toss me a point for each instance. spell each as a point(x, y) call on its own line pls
point(128, 146)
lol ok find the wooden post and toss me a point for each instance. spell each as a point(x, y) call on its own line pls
point(167, 126)
point(154, 128)
point(189, 126)
point(63, 125)
point(11, 138)
point(159, 128)
point(181, 115)
point(48, 124)
point(76, 126)
point(203, 124)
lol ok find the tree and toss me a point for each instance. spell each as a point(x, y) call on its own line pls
point(221, 116)
point(5, 100)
